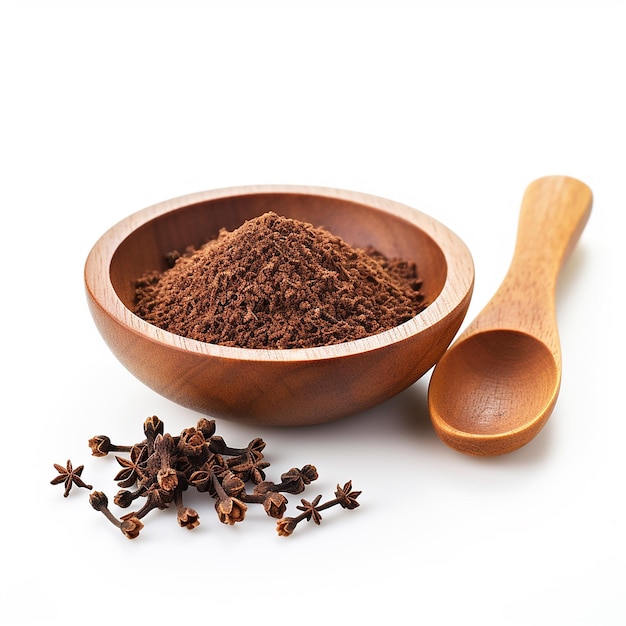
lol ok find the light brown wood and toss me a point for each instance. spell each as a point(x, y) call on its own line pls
point(279, 387)
point(497, 385)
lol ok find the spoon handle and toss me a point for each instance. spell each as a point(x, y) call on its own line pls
point(554, 212)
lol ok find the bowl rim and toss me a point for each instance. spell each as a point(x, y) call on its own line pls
point(458, 283)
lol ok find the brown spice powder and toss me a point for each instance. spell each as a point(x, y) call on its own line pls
point(279, 283)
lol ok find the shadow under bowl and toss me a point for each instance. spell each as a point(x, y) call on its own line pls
point(275, 387)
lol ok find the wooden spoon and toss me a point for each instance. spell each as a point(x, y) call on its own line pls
point(497, 385)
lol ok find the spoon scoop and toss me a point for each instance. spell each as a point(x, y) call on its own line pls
point(496, 386)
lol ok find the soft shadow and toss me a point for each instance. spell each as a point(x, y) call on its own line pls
point(573, 271)
point(404, 418)
point(400, 419)
point(413, 416)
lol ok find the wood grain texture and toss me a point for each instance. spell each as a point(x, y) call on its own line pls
point(497, 385)
point(279, 387)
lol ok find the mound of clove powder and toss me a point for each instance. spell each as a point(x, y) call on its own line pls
point(279, 283)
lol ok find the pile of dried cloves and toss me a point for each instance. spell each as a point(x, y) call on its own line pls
point(162, 467)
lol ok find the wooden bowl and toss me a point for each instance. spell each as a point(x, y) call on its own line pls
point(272, 386)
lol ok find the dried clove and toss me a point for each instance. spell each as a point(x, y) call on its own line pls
point(101, 446)
point(344, 496)
point(69, 476)
point(131, 527)
point(162, 467)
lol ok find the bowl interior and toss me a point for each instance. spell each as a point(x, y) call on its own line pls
point(360, 225)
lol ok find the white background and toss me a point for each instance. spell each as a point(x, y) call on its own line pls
point(450, 107)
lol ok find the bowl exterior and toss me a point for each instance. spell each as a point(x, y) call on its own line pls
point(276, 392)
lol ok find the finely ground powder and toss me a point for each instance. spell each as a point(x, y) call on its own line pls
point(279, 283)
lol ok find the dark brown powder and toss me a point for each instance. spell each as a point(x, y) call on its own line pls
point(279, 283)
